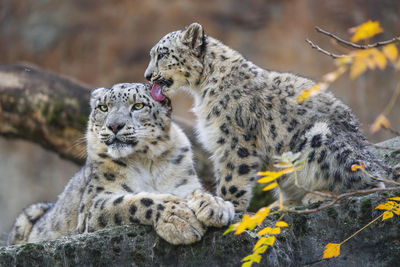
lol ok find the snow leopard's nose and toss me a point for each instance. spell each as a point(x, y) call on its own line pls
point(116, 127)
point(149, 72)
point(148, 76)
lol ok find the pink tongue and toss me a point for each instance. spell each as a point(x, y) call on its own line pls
point(156, 92)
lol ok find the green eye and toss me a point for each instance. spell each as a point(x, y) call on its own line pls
point(103, 108)
point(138, 106)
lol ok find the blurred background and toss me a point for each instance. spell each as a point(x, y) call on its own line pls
point(104, 42)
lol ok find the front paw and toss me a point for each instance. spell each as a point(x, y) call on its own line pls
point(178, 225)
point(211, 210)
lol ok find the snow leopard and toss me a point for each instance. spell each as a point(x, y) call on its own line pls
point(246, 115)
point(139, 170)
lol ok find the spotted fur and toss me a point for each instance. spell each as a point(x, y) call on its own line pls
point(139, 169)
point(247, 114)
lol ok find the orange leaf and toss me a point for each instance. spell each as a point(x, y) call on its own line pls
point(381, 121)
point(391, 52)
point(281, 224)
point(331, 250)
point(366, 31)
point(387, 215)
point(355, 167)
point(270, 186)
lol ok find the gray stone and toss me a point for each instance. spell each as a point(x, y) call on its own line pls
point(301, 244)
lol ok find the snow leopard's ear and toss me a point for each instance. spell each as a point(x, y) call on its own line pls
point(95, 94)
point(193, 37)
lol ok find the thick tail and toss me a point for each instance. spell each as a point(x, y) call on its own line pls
point(25, 221)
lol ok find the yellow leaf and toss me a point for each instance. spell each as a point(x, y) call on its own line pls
point(391, 52)
point(265, 231)
point(366, 31)
point(257, 258)
point(395, 198)
point(381, 121)
point(260, 215)
point(269, 176)
point(247, 264)
point(331, 250)
point(243, 225)
point(387, 215)
point(259, 243)
point(270, 186)
point(270, 241)
point(379, 58)
point(230, 229)
point(281, 224)
point(248, 257)
point(396, 210)
point(359, 67)
point(312, 91)
point(343, 61)
point(260, 250)
point(269, 230)
point(386, 206)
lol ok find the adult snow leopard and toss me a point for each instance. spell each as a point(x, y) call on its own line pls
point(139, 169)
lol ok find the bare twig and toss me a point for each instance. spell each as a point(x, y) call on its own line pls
point(318, 193)
point(339, 197)
point(357, 46)
point(314, 46)
point(385, 147)
point(391, 130)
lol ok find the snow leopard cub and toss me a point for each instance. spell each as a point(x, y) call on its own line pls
point(247, 114)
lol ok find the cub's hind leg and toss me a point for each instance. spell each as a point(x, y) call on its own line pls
point(236, 173)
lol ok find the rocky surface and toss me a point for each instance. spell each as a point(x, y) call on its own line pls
point(299, 245)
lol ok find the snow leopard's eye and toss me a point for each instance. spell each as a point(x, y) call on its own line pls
point(103, 108)
point(160, 56)
point(137, 106)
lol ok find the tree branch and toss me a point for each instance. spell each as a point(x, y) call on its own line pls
point(45, 108)
point(319, 49)
point(357, 46)
point(339, 197)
